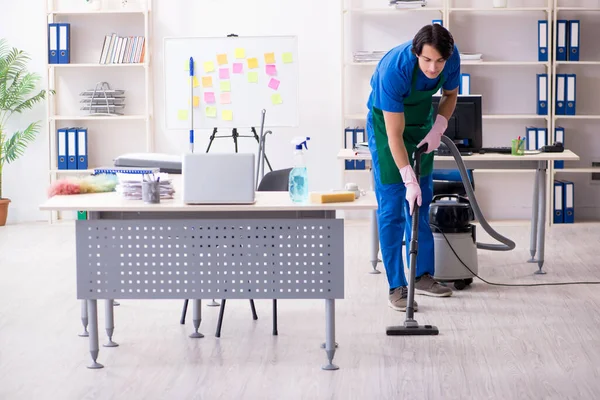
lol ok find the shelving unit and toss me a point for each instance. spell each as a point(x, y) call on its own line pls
point(88, 29)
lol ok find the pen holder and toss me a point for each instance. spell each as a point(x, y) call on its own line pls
point(151, 192)
point(518, 147)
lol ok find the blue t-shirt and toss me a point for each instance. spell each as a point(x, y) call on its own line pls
point(392, 80)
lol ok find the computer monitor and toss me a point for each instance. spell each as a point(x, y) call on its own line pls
point(464, 127)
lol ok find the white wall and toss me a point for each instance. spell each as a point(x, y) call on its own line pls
point(317, 25)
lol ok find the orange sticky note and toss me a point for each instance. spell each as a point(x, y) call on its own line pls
point(207, 81)
point(222, 59)
point(196, 101)
point(252, 63)
point(269, 58)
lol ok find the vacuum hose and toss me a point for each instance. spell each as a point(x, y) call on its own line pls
point(507, 244)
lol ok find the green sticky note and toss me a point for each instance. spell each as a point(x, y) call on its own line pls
point(288, 58)
point(211, 111)
point(276, 98)
point(182, 115)
point(253, 77)
point(225, 86)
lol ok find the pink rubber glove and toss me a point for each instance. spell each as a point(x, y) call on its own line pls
point(413, 190)
point(434, 137)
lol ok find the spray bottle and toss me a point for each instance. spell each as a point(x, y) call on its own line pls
point(298, 184)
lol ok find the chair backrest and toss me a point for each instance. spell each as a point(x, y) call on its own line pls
point(448, 181)
point(275, 181)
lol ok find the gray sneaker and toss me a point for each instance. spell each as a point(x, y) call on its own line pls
point(398, 300)
point(427, 286)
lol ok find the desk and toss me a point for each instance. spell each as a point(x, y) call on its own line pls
point(538, 161)
point(272, 249)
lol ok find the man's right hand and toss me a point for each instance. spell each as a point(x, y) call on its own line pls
point(413, 189)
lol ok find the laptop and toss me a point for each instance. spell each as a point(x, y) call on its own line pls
point(218, 178)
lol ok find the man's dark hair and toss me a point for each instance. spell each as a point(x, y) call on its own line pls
point(434, 35)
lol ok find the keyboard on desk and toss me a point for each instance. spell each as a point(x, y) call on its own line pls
point(499, 150)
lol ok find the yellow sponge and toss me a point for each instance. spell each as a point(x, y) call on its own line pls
point(331, 197)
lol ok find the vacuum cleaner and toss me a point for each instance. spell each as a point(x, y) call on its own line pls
point(455, 243)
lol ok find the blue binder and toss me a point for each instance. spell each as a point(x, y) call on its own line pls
point(569, 202)
point(359, 136)
point(574, 40)
point(72, 148)
point(52, 43)
point(559, 136)
point(349, 141)
point(61, 148)
point(542, 94)
point(561, 40)
point(571, 94)
point(542, 40)
point(438, 21)
point(561, 93)
point(558, 202)
point(64, 43)
point(82, 148)
point(464, 86)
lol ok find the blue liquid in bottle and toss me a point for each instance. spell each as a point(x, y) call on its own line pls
point(299, 185)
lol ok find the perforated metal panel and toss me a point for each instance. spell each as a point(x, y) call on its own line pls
point(205, 259)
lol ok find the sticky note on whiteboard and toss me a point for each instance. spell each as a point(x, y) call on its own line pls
point(209, 97)
point(252, 63)
point(224, 73)
point(253, 77)
point(225, 98)
point(182, 115)
point(207, 81)
point(271, 69)
point(222, 59)
point(238, 68)
point(287, 58)
point(225, 86)
point(196, 101)
point(276, 99)
point(269, 58)
point(227, 115)
point(211, 111)
point(240, 53)
point(209, 66)
point(274, 84)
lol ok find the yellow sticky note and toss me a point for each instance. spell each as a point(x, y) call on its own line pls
point(287, 58)
point(222, 59)
point(276, 98)
point(225, 86)
point(252, 63)
point(207, 81)
point(240, 53)
point(196, 101)
point(195, 81)
point(269, 58)
point(227, 115)
point(211, 111)
point(253, 77)
point(182, 115)
point(209, 66)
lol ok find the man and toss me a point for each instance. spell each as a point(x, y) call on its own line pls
point(400, 120)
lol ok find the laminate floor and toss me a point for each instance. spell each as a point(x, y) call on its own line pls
point(495, 342)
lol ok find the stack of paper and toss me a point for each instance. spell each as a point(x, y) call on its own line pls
point(408, 3)
point(130, 185)
point(368, 56)
point(362, 148)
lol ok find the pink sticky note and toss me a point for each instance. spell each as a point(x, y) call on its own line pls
point(209, 97)
point(224, 73)
point(271, 69)
point(225, 98)
point(274, 84)
point(238, 68)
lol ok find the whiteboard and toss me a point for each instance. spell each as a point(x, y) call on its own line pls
point(235, 79)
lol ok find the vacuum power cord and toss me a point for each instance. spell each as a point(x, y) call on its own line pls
point(507, 244)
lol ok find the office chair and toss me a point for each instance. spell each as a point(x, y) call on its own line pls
point(274, 181)
point(448, 181)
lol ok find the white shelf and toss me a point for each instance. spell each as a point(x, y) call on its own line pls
point(359, 117)
point(577, 8)
point(514, 116)
point(500, 9)
point(71, 171)
point(577, 116)
point(97, 117)
point(578, 63)
point(391, 10)
point(505, 63)
point(576, 170)
point(96, 65)
point(95, 12)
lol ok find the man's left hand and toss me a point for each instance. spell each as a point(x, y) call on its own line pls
point(434, 137)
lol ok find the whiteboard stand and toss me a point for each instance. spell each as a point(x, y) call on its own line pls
point(235, 135)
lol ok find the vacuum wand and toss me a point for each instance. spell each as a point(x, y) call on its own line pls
point(412, 327)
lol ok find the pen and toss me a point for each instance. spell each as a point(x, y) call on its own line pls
point(192, 104)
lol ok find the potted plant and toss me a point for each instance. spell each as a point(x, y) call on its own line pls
point(16, 88)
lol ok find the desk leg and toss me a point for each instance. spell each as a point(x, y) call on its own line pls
point(534, 216)
point(197, 317)
point(94, 346)
point(374, 234)
point(84, 318)
point(330, 334)
point(541, 230)
point(109, 316)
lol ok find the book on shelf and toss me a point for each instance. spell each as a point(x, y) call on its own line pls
point(122, 49)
